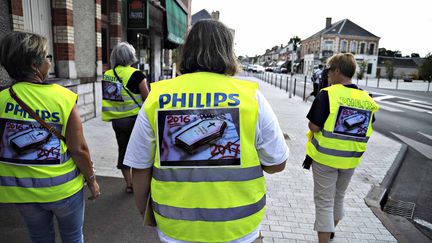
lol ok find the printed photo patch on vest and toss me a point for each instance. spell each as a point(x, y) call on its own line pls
point(208, 137)
point(29, 143)
point(112, 91)
point(352, 121)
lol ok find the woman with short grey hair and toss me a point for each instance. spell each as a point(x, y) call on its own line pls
point(123, 54)
point(42, 170)
point(124, 91)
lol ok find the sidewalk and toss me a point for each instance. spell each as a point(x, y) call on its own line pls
point(290, 213)
point(290, 209)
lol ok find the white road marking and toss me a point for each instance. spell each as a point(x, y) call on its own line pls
point(404, 106)
point(426, 135)
point(388, 108)
point(422, 148)
point(424, 223)
point(380, 98)
point(416, 104)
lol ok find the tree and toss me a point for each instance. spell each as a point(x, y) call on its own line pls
point(425, 68)
point(389, 69)
point(295, 41)
point(362, 69)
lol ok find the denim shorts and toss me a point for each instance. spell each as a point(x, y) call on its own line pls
point(70, 217)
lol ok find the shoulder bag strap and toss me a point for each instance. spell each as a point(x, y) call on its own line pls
point(33, 114)
point(127, 91)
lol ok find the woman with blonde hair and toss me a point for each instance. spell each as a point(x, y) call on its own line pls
point(44, 158)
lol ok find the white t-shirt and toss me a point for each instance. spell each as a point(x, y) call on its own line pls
point(269, 142)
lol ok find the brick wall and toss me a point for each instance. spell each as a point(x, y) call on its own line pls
point(5, 20)
point(64, 38)
point(89, 96)
point(85, 38)
point(16, 11)
point(98, 29)
point(115, 27)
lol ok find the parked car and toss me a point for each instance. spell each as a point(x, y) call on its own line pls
point(249, 67)
point(258, 69)
point(408, 78)
point(269, 69)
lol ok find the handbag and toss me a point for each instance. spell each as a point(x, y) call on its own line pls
point(33, 114)
point(127, 91)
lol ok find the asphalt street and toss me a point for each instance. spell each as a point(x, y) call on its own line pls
point(405, 116)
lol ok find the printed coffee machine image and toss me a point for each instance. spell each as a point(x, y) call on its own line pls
point(353, 121)
point(29, 139)
point(201, 133)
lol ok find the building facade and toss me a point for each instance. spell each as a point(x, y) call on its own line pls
point(82, 33)
point(341, 37)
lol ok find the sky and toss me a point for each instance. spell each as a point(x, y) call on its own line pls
point(259, 25)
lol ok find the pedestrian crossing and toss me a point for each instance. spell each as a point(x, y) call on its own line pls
point(399, 105)
point(424, 149)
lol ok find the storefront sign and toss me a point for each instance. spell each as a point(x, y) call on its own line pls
point(137, 16)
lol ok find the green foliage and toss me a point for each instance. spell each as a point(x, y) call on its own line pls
point(414, 75)
point(425, 69)
point(389, 69)
point(362, 69)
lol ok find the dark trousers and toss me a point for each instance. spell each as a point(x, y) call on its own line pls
point(123, 130)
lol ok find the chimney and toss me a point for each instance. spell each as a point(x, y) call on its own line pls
point(215, 15)
point(328, 22)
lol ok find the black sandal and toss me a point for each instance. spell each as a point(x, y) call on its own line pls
point(129, 189)
point(332, 235)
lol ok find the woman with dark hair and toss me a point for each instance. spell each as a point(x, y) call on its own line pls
point(43, 163)
point(124, 90)
point(203, 141)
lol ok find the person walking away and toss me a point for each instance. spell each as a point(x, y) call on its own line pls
point(42, 171)
point(315, 82)
point(323, 81)
point(340, 123)
point(124, 88)
point(204, 139)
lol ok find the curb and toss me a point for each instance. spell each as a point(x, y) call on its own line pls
point(377, 196)
point(401, 228)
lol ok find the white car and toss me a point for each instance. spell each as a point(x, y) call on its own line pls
point(258, 69)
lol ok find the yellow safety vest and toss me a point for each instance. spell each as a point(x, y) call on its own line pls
point(342, 141)
point(206, 203)
point(35, 167)
point(116, 102)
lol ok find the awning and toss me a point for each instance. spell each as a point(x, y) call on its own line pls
point(176, 20)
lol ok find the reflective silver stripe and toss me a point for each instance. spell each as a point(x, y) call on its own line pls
point(38, 182)
point(341, 137)
point(65, 157)
point(137, 98)
point(207, 214)
point(207, 174)
point(335, 152)
point(120, 108)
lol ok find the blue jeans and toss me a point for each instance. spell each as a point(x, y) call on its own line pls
point(70, 217)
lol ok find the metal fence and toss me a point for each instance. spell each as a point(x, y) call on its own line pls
point(301, 85)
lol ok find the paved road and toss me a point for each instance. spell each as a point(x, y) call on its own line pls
point(406, 116)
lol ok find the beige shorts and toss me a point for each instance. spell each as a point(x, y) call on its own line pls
point(330, 185)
